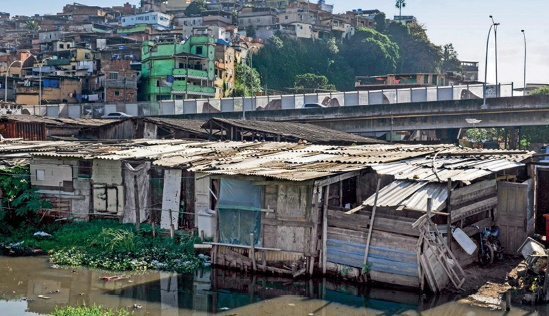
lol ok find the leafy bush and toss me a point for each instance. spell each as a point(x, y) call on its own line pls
point(89, 311)
point(19, 200)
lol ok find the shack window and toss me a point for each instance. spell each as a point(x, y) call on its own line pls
point(239, 208)
point(85, 168)
point(40, 175)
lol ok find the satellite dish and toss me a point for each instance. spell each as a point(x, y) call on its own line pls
point(473, 121)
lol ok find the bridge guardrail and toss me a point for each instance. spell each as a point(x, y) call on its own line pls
point(271, 102)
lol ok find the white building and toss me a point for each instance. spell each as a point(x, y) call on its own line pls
point(156, 19)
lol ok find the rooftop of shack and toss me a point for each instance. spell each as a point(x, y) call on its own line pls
point(309, 132)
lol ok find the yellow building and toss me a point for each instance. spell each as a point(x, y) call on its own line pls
point(225, 71)
point(55, 90)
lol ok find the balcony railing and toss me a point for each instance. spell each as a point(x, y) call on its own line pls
point(192, 73)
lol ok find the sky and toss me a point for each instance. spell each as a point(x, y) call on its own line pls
point(464, 23)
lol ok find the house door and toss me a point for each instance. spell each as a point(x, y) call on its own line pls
point(513, 214)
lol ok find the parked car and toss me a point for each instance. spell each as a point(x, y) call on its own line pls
point(116, 115)
point(313, 106)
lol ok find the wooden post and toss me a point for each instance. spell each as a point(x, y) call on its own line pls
point(325, 229)
point(449, 211)
point(546, 284)
point(264, 260)
point(153, 229)
point(172, 233)
point(202, 235)
point(252, 251)
point(371, 226)
point(136, 197)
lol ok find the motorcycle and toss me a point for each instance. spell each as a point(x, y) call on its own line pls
point(490, 246)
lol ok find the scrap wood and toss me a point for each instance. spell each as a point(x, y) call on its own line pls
point(114, 278)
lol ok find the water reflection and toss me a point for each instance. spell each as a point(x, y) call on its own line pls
point(206, 292)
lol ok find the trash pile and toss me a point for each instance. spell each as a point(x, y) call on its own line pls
point(531, 275)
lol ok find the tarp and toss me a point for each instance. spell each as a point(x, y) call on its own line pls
point(239, 212)
point(240, 195)
point(142, 174)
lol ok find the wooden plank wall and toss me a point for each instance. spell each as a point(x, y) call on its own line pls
point(392, 257)
point(473, 199)
point(288, 226)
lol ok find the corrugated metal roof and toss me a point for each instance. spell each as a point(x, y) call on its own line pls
point(394, 193)
point(438, 193)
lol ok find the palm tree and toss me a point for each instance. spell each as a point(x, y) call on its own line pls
point(400, 4)
point(33, 25)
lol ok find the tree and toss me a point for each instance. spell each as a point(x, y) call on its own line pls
point(381, 22)
point(371, 53)
point(540, 91)
point(250, 31)
point(253, 81)
point(195, 8)
point(477, 135)
point(400, 4)
point(32, 25)
point(311, 81)
point(450, 61)
point(417, 52)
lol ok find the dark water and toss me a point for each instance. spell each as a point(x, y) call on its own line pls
point(208, 292)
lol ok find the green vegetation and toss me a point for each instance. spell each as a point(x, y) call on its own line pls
point(109, 245)
point(311, 82)
point(477, 135)
point(253, 81)
point(89, 311)
point(391, 48)
point(541, 91)
point(19, 201)
point(195, 8)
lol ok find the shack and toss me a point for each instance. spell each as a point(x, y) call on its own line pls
point(382, 212)
point(147, 127)
point(33, 128)
point(240, 130)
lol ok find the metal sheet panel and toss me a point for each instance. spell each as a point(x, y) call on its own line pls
point(396, 192)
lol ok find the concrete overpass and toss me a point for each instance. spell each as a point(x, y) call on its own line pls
point(436, 115)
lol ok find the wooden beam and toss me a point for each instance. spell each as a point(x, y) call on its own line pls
point(252, 251)
point(241, 246)
point(325, 230)
point(336, 179)
point(449, 210)
point(371, 227)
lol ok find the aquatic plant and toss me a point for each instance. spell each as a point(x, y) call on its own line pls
point(89, 311)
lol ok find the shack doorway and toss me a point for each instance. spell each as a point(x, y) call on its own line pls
point(542, 198)
point(515, 215)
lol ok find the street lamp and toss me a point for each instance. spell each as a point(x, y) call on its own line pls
point(252, 69)
point(486, 65)
point(524, 34)
point(40, 65)
point(496, 50)
point(6, 79)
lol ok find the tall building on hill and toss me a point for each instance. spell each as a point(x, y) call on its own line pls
point(177, 71)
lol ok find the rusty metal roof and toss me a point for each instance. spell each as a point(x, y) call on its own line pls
point(292, 131)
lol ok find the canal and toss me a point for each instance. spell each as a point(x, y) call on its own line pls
point(28, 286)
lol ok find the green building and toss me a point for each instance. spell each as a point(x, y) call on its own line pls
point(178, 71)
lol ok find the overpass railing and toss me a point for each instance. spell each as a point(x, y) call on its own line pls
point(270, 102)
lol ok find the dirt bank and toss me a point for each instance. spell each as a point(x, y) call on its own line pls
point(486, 286)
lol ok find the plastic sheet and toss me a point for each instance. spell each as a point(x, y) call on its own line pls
point(239, 212)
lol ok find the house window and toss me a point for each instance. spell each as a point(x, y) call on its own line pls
point(199, 50)
point(61, 46)
point(113, 75)
point(116, 93)
point(40, 174)
point(68, 45)
point(85, 168)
